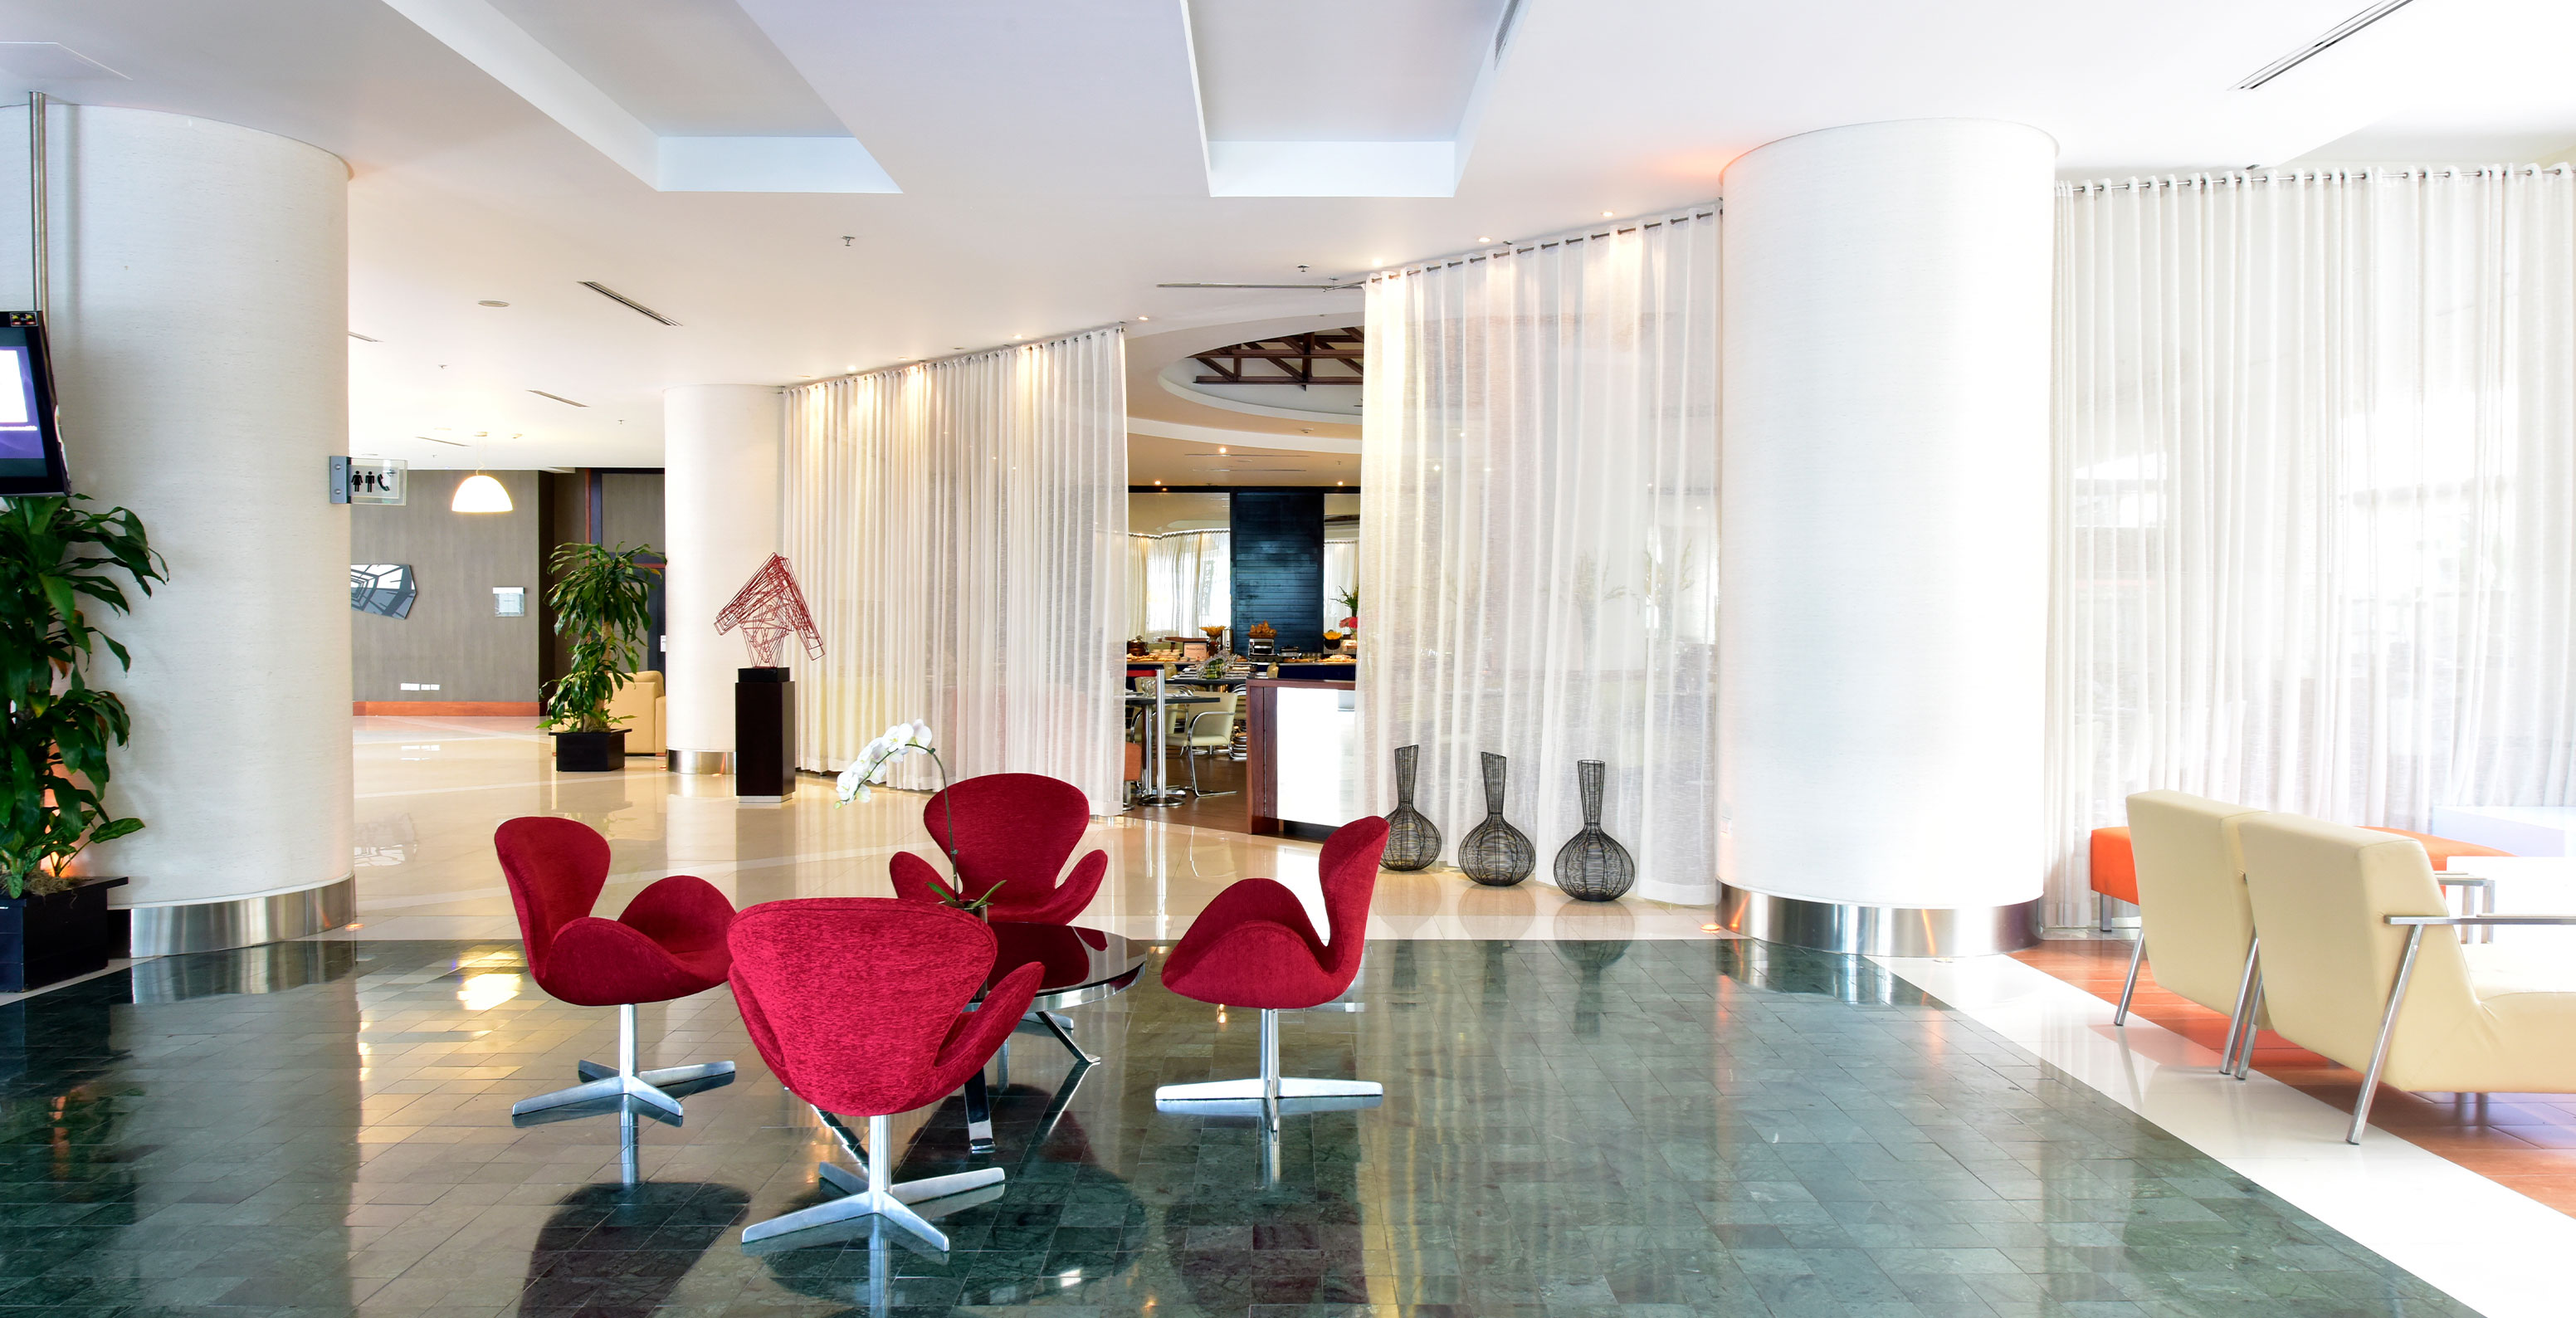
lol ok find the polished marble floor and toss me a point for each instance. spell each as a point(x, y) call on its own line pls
point(1643, 1128)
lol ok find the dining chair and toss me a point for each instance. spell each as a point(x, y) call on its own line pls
point(1197, 735)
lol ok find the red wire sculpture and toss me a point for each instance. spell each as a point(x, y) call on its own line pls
point(767, 608)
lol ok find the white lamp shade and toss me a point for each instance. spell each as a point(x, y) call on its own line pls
point(479, 493)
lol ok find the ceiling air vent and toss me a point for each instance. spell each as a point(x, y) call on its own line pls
point(627, 302)
point(558, 398)
point(2321, 45)
point(1503, 29)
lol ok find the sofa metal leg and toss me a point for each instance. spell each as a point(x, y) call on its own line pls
point(2253, 1014)
point(623, 1080)
point(2387, 1032)
point(2137, 952)
point(2239, 1019)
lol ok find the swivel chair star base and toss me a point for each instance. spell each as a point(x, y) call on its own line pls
point(873, 1196)
point(623, 1080)
point(1266, 1095)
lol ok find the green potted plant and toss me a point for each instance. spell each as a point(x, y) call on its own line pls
point(54, 556)
point(603, 604)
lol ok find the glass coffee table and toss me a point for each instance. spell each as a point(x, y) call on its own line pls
point(1080, 965)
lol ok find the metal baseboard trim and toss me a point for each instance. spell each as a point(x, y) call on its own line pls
point(1878, 930)
point(243, 922)
point(699, 762)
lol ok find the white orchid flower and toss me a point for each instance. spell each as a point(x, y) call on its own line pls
point(878, 756)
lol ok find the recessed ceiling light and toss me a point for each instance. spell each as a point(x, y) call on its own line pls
point(849, 368)
point(1605, 215)
point(1144, 318)
point(1220, 448)
point(1376, 261)
point(1017, 337)
point(487, 302)
point(1484, 240)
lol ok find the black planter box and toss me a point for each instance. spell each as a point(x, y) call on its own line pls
point(53, 937)
point(590, 752)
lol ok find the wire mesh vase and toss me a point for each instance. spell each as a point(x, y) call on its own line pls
point(1592, 866)
point(1494, 853)
point(1411, 842)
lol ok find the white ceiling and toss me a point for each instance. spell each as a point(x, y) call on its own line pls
point(1053, 161)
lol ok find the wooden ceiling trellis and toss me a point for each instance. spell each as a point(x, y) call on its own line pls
point(1337, 356)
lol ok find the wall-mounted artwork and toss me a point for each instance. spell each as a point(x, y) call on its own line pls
point(383, 589)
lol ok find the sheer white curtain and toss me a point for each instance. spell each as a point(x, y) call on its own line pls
point(1180, 582)
point(2316, 465)
point(1539, 532)
point(960, 529)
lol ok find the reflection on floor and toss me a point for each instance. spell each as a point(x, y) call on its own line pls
point(1226, 809)
point(2525, 1141)
point(430, 792)
point(1630, 1128)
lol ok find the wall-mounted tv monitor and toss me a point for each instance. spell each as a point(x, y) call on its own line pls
point(31, 446)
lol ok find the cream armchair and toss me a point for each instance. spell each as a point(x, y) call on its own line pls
point(2192, 908)
point(2363, 964)
point(640, 704)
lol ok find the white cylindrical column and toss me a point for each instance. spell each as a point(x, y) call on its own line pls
point(1885, 336)
point(199, 325)
point(720, 446)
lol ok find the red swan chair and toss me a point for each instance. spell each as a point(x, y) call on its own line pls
point(1013, 833)
point(859, 1005)
point(669, 943)
point(1254, 947)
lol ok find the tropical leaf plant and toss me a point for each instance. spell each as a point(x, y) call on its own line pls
point(59, 559)
point(603, 604)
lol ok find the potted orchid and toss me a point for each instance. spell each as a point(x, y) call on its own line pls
point(869, 770)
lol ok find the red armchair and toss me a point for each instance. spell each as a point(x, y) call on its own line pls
point(669, 943)
point(859, 1005)
point(1013, 833)
point(1254, 947)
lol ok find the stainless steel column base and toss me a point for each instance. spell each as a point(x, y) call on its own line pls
point(243, 921)
point(698, 762)
point(876, 1196)
point(1878, 930)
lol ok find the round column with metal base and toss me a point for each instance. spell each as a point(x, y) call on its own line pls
point(1878, 930)
point(699, 762)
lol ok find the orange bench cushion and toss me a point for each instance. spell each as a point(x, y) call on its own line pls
point(2115, 870)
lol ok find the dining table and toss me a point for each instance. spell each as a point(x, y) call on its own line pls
point(1157, 789)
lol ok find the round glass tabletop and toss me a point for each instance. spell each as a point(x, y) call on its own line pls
point(1080, 965)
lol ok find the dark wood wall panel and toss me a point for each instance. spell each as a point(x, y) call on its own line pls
point(1278, 567)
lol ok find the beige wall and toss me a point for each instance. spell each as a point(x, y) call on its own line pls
point(452, 637)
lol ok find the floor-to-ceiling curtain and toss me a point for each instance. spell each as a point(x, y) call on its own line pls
point(1539, 538)
point(2316, 474)
point(1180, 582)
point(960, 527)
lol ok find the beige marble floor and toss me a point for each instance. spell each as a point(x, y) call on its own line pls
point(431, 790)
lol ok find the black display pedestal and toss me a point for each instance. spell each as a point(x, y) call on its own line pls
point(764, 735)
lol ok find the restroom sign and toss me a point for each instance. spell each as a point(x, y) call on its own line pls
point(369, 480)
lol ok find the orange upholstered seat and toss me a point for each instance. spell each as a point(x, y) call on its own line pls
point(2115, 871)
point(2441, 849)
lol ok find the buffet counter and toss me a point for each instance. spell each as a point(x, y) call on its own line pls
point(1302, 765)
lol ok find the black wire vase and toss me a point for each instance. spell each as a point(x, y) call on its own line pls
point(1592, 866)
point(1411, 841)
point(1494, 853)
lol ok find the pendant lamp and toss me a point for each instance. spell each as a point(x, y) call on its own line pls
point(479, 493)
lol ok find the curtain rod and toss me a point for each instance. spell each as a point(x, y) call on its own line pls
point(1702, 211)
point(2235, 177)
point(1115, 326)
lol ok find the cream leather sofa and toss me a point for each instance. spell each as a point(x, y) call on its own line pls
point(641, 704)
point(2363, 963)
point(2192, 908)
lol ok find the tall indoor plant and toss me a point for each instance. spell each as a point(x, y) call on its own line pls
point(58, 559)
point(603, 603)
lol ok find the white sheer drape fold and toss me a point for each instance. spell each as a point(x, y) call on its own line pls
point(1538, 548)
point(960, 529)
point(2316, 467)
point(1180, 582)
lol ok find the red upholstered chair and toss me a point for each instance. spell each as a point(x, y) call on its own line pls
point(1013, 832)
point(669, 943)
point(1254, 947)
point(858, 1004)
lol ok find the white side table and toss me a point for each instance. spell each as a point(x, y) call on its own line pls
point(2524, 830)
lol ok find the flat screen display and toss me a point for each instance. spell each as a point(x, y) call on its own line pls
point(31, 449)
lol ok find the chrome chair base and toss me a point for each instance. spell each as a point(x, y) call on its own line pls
point(1267, 1094)
point(873, 1196)
point(601, 1083)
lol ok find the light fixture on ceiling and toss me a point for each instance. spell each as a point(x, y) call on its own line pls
point(1482, 239)
point(627, 302)
point(2332, 37)
point(479, 493)
point(487, 302)
point(1605, 215)
point(1144, 318)
point(1220, 448)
